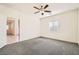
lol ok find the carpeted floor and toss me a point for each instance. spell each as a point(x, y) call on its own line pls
point(40, 46)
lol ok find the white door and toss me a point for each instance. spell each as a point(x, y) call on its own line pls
point(3, 31)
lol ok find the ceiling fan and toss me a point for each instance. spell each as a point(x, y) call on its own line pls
point(42, 9)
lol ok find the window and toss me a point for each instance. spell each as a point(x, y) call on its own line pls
point(54, 26)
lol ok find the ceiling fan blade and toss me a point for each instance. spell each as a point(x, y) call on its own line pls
point(37, 12)
point(46, 6)
point(47, 11)
point(36, 8)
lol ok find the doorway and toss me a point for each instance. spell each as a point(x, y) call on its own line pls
point(12, 30)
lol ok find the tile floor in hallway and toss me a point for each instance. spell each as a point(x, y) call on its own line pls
point(40, 46)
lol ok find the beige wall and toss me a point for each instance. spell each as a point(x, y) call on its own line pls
point(68, 26)
point(29, 24)
point(2, 30)
point(78, 25)
point(29, 27)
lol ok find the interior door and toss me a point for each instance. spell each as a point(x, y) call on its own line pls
point(2, 30)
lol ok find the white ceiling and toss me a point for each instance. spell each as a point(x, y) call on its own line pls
point(54, 7)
